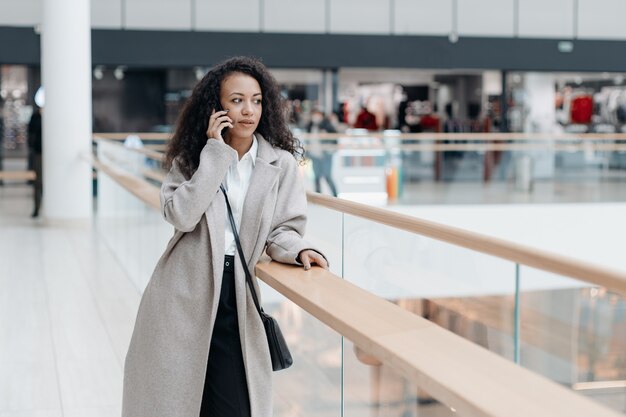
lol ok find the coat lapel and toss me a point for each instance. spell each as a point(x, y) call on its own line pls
point(263, 177)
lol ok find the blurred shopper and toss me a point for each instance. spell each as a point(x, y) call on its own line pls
point(322, 159)
point(35, 155)
point(366, 120)
point(232, 133)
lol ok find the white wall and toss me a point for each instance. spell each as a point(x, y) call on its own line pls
point(232, 15)
point(559, 19)
point(546, 19)
point(360, 16)
point(601, 19)
point(492, 82)
point(295, 76)
point(106, 14)
point(307, 16)
point(20, 12)
point(385, 75)
point(486, 17)
point(422, 17)
point(158, 14)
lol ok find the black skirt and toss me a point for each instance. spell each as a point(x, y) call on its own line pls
point(225, 387)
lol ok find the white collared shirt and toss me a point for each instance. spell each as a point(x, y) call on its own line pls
point(236, 184)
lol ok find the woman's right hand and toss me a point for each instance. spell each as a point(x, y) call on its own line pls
point(217, 122)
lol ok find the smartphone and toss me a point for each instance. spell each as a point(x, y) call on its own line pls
point(224, 130)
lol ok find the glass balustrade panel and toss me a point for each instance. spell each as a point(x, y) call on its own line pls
point(374, 389)
point(466, 292)
point(574, 333)
point(312, 386)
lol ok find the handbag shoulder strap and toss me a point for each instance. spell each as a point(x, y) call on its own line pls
point(240, 251)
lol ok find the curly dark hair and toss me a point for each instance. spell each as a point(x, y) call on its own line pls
point(190, 135)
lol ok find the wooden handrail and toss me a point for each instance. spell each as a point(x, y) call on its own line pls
point(457, 372)
point(525, 255)
point(142, 135)
point(418, 136)
point(152, 154)
point(483, 147)
point(153, 174)
point(149, 153)
point(522, 254)
point(501, 248)
point(143, 190)
point(543, 137)
point(158, 155)
point(18, 175)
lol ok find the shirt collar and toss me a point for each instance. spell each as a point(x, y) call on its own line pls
point(253, 151)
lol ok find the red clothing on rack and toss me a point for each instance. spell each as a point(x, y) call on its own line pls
point(582, 109)
point(366, 120)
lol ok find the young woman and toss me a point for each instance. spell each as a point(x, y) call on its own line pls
point(199, 347)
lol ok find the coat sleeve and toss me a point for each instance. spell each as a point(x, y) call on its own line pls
point(285, 241)
point(183, 202)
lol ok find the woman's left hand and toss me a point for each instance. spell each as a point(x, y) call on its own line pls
point(308, 256)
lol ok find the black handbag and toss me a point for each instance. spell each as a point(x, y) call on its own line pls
point(279, 352)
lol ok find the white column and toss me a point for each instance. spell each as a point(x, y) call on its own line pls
point(66, 77)
point(540, 98)
point(541, 117)
point(327, 92)
point(492, 86)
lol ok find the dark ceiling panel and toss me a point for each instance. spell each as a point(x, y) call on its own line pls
point(19, 46)
point(184, 49)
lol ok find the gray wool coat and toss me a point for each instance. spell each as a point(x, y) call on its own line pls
point(166, 362)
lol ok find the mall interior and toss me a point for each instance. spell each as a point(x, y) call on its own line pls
point(467, 186)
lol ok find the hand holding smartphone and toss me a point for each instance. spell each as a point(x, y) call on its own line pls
point(219, 122)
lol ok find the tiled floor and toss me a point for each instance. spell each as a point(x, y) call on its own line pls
point(66, 314)
point(67, 309)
